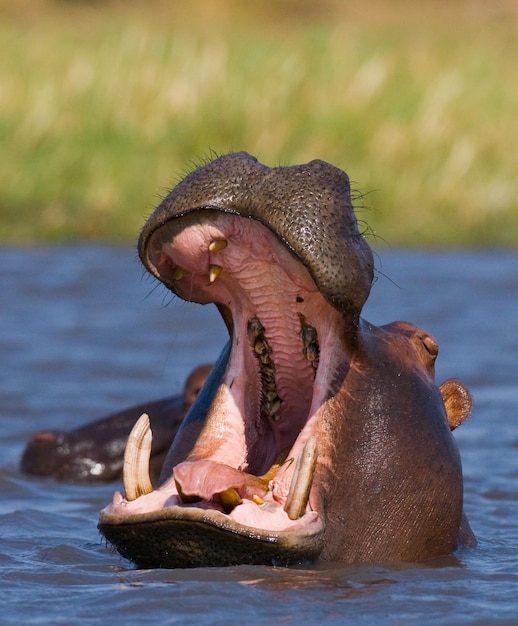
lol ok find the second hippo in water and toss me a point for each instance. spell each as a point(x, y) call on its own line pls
point(317, 435)
point(94, 452)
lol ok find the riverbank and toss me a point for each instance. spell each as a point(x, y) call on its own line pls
point(104, 106)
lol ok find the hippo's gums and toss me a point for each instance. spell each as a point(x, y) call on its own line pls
point(317, 434)
point(94, 452)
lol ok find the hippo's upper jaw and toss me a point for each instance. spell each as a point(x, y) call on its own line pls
point(255, 472)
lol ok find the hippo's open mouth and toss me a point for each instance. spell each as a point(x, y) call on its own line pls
point(244, 463)
point(317, 434)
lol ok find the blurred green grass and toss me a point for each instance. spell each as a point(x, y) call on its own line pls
point(104, 106)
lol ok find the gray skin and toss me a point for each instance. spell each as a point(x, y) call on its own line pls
point(388, 480)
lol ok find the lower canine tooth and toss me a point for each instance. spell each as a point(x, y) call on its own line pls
point(302, 480)
point(135, 472)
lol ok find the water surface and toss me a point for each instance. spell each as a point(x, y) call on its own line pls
point(83, 332)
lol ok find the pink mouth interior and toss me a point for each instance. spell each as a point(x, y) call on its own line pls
point(284, 350)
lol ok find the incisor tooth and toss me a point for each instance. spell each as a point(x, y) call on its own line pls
point(214, 272)
point(230, 498)
point(135, 471)
point(302, 480)
point(217, 245)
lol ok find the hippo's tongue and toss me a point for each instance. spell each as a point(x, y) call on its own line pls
point(207, 479)
point(212, 481)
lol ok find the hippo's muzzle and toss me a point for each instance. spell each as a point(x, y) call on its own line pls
point(252, 474)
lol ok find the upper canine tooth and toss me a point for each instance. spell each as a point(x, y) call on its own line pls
point(135, 471)
point(179, 272)
point(217, 245)
point(214, 272)
point(302, 480)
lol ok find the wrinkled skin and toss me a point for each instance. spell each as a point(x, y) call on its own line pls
point(94, 452)
point(304, 380)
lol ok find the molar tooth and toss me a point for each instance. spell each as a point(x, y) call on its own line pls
point(214, 272)
point(135, 473)
point(276, 405)
point(255, 327)
point(266, 360)
point(270, 405)
point(308, 335)
point(302, 480)
point(259, 346)
point(179, 272)
point(266, 363)
point(312, 353)
point(217, 245)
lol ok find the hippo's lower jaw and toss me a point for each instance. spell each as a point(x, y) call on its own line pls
point(241, 483)
point(179, 536)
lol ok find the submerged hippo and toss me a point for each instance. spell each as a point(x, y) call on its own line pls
point(317, 434)
point(94, 452)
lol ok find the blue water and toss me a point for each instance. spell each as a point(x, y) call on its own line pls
point(84, 332)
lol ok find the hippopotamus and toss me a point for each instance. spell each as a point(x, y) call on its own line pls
point(94, 452)
point(318, 436)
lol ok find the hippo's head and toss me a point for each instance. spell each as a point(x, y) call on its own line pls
point(292, 450)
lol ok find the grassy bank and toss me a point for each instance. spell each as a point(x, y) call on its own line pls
point(103, 106)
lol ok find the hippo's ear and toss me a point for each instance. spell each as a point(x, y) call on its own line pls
point(457, 401)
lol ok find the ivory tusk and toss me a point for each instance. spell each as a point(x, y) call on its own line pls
point(135, 472)
point(300, 487)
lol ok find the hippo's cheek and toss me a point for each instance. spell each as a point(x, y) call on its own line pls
point(241, 483)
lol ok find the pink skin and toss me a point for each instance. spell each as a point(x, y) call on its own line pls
point(257, 270)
